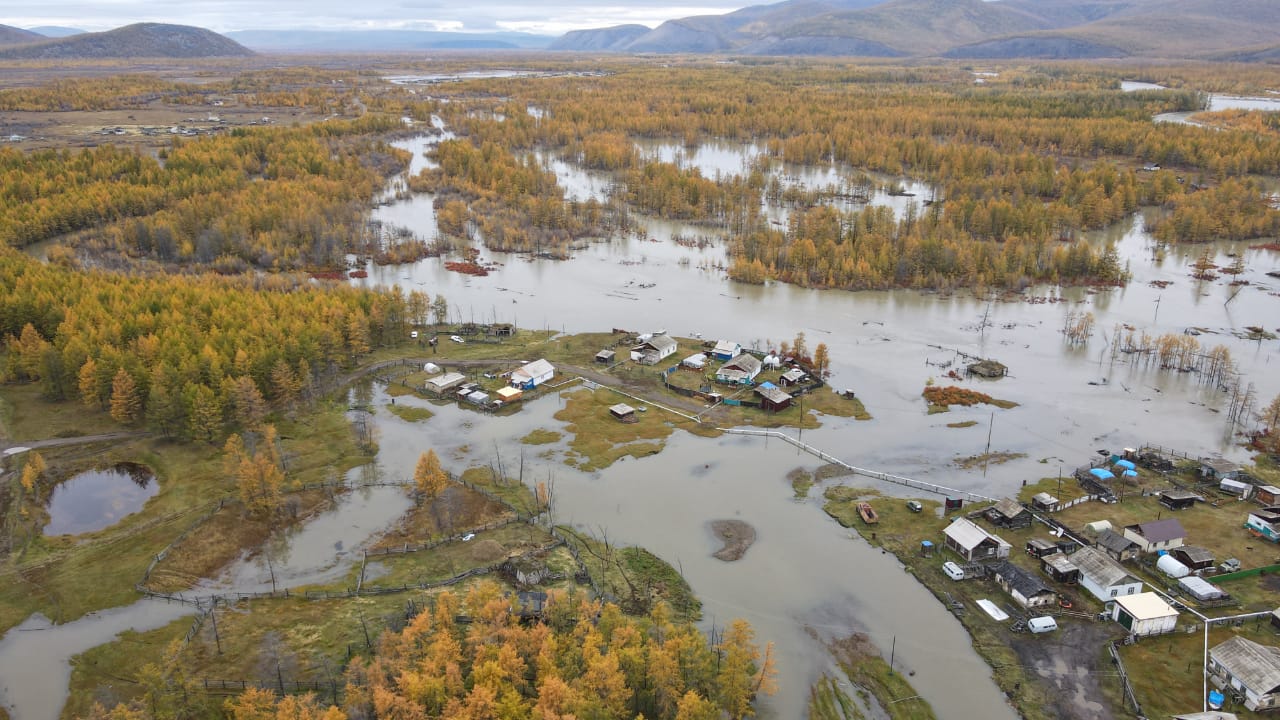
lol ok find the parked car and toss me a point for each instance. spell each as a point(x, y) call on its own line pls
point(414, 334)
point(953, 571)
point(1042, 624)
point(914, 506)
point(457, 338)
point(468, 537)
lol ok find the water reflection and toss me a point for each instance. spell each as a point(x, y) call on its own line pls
point(99, 498)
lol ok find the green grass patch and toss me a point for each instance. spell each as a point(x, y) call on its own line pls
point(541, 437)
point(599, 439)
point(962, 424)
point(450, 559)
point(801, 481)
point(970, 462)
point(457, 510)
point(408, 413)
point(511, 491)
point(942, 398)
point(25, 414)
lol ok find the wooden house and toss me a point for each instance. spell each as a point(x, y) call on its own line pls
point(973, 543)
point(1023, 586)
point(792, 377)
point(1117, 546)
point(1059, 567)
point(1195, 558)
point(1157, 535)
point(1038, 547)
point(1044, 501)
point(509, 394)
point(726, 350)
point(1266, 495)
point(1008, 513)
point(606, 357)
point(772, 397)
point(1103, 577)
point(1249, 669)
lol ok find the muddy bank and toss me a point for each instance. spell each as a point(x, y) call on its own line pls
point(736, 535)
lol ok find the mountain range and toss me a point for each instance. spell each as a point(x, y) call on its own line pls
point(1208, 29)
point(138, 40)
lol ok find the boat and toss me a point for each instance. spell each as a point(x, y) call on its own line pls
point(990, 608)
point(867, 513)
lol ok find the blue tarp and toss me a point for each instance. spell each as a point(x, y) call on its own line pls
point(1102, 473)
point(1130, 473)
point(767, 385)
point(1127, 465)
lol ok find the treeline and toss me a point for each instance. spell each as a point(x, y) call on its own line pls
point(825, 248)
point(516, 205)
point(273, 198)
point(191, 357)
point(1237, 209)
point(582, 659)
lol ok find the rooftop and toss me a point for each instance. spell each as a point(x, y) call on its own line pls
point(1059, 562)
point(1145, 606)
point(1256, 665)
point(1114, 541)
point(1100, 568)
point(1026, 583)
point(1158, 531)
point(968, 535)
point(1008, 507)
point(746, 362)
point(1220, 465)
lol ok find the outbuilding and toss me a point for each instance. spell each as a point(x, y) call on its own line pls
point(1044, 501)
point(1195, 558)
point(1008, 513)
point(1119, 547)
point(623, 412)
point(973, 543)
point(605, 357)
point(1178, 499)
point(772, 397)
point(446, 382)
point(1239, 488)
point(1023, 586)
point(1266, 494)
point(1217, 468)
point(1264, 522)
point(1059, 567)
point(509, 394)
point(1039, 547)
point(794, 376)
point(1145, 614)
point(1201, 589)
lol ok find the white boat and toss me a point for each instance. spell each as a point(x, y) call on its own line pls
point(991, 609)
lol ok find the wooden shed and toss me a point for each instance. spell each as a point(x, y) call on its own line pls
point(772, 397)
point(623, 412)
point(1178, 499)
point(1008, 513)
point(606, 357)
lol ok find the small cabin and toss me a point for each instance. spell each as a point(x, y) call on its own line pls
point(794, 376)
point(772, 397)
point(1266, 494)
point(1008, 513)
point(1117, 546)
point(1060, 568)
point(1044, 501)
point(1039, 548)
point(605, 357)
point(1195, 558)
point(1178, 499)
point(623, 412)
point(1216, 468)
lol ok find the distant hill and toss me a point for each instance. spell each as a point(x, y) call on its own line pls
point(383, 40)
point(610, 39)
point(1206, 29)
point(140, 40)
point(10, 35)
point(56, 31)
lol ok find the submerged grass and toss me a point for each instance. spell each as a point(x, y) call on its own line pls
point(409, 413)
point(620, 571)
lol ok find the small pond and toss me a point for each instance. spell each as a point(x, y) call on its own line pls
point(99, 498)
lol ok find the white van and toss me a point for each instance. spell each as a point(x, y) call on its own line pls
point(1042, 624)
point(953, 571)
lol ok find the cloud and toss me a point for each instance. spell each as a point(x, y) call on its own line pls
point(475, 16)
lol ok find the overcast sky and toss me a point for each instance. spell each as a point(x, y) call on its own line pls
point(551, 18)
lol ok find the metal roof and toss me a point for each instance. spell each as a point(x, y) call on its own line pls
point(1114, 541)
point(1044, 498)
point(1219, 465)
point(1255, 665)
point(1145, 606)
point(727, 347)
point(535, 369)
point(1008, 507)
point(1194, 554)
point(1158, 531)
point(968, 535)
point(660, 343)
point(621, 409)
point(773, 394)
point(1179, 495)
point(1100, 568)
point(1200, 588)
point(447, 380)
point(745, 362)
point(1059, 562)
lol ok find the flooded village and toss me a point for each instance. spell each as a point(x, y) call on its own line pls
point(1049, 501)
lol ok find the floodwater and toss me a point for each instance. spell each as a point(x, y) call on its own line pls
point(35, 656)
point(1224, 102)
point(99, 498)
point(804, 573)
point(1136, 85)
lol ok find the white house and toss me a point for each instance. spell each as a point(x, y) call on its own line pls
point(741, 370)
point(1249, 668)
point(1103, 577)
point(726, 349)
point(973, 543)
point(530, 376)
point(654, 349)
point(1157, 535)
point(1145, 614)
point(444, 383)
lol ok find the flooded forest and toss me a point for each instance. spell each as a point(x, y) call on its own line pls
point(229, 489)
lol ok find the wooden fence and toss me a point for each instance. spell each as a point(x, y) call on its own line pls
point(1130, 699)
